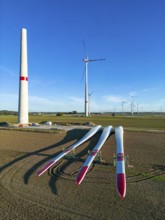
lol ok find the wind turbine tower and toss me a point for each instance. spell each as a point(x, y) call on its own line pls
point(132, 104)
point(123, 102)
point(90, 102)
point(23, 117)
point(86, 60)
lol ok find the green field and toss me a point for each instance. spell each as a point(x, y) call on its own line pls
point(138, 122)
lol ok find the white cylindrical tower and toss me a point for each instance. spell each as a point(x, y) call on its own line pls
point(23, 117)
point(86, 89)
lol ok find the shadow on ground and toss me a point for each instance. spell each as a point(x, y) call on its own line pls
point(91, 145)
point(70, 136)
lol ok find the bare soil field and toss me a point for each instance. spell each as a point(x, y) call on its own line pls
point(55, 195)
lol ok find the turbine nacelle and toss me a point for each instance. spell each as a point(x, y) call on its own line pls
point(86, 60)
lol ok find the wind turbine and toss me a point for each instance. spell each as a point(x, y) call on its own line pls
point(138, 108)
point(89, 111)
point(123, 102)
point(86, 61)
point(132, 104)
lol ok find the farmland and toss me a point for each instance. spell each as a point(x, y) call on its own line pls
point(55, 195)
point(139, 122)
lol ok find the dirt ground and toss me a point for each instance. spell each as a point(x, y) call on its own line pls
point(55, 195)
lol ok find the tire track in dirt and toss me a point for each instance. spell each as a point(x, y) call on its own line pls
point(13, 176)
point(103, 174)
point(55, 196)
point(12, 180)
point(97, 173)
point(154, 172)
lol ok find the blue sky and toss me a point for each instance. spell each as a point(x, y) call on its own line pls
point(130, 34)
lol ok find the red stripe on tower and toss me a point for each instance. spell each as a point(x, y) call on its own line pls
point(23, 78)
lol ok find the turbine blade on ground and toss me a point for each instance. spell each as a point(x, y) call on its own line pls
point(120, 163)
point(88, 135)
point(105, 134)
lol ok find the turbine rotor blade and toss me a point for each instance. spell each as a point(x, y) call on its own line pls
point(85, 50)
point(83, 75)
point(95, 60)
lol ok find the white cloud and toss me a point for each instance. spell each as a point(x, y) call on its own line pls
point(76, 99)
point(112, 98)
point(9, 102)
point(45, 101)
point(153, 106)
point(4, 70)
point(55, 105)
point(37, 83)
point(132, 94)
point(45, 104)
point(72, 103)
point(36, 103)
point(149, 89)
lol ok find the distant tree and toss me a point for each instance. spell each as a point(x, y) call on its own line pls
point(59, 114)
point(113, 114)
point(74, 112)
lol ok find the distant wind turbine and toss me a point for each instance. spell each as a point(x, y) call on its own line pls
point(132, 104)
point(123, 102)
point(86, 60)
point(90, 102)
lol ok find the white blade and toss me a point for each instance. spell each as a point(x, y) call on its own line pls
point(105, 134)
point(88, 135)
point(120, 163)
